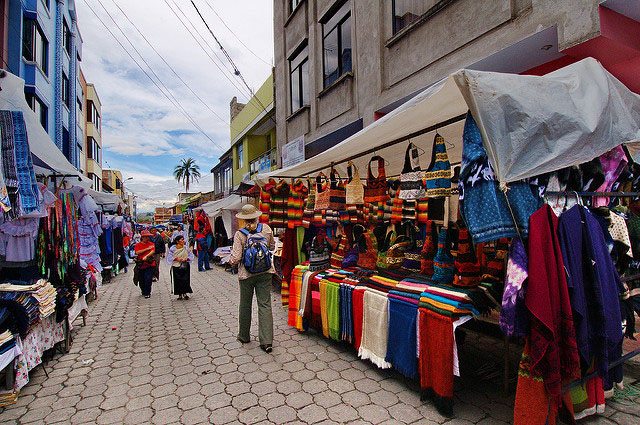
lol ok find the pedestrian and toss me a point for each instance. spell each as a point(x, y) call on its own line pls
point(161, 249)
point(261, 238)
point(200, 225)
point(145, 252)
point(179, 257)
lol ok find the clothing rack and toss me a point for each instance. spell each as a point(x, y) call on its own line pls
point(429, 129)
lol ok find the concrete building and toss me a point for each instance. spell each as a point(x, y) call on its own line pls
point(112, 182)
point(223, 175)
point(253, 138)
point(44, 48)
point(340, 65)
point(93, 139)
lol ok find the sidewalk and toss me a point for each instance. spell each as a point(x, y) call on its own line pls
point(167, 361)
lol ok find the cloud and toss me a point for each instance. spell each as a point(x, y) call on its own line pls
point(143, 133)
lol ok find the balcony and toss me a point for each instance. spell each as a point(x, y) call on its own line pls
point(264, 163)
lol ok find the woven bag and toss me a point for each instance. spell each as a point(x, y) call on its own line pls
point(443, 263)
point(376, 190)
point(383, 247)
point(395, 254)
point(337, 256)
point(438, 175)
point(411, 262)
point(337, 193)
point(429, 248)
point(411, 178)
point(354, 189)
point(323, 193)
point(369, 257)
point(307, 214)
point(319, 255)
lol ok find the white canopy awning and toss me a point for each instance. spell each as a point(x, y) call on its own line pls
point(12, 99)
point(530, 125)
point(108, 201)
point(227, 208)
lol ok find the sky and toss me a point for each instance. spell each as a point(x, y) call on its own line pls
point(144, 133)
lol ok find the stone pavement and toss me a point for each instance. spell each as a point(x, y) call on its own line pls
point(166, 361)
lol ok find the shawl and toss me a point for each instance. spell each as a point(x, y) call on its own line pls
point(401, 345)
point(295, 298)
point(436, 359)
point(323, 307)
point(375, 328)
point(333, 309)
point(357, 307)
point(552, 340)
point(176, 254)
point(346, 313)
point(304, 292)
point(593, 288)
point(513, 315)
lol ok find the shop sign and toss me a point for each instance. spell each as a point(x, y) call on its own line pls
point(293, 152)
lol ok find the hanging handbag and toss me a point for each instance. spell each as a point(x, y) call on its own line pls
point(319, 255)
point(443, 263)
point(337, 256)
point(383, 247)
point(376, 190)
point(351, 257)
point(411, 262)
point(323, 193)
point(411, 183)
point(429, 249)
point(369, 257)
point(337, 193)
point(354, 188)
point(307, 214)
point(438, 174)
point(395, 254)
point(467, 265)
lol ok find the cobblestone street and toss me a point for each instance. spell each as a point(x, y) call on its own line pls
point(167, 361)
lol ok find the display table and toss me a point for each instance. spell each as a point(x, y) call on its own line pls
point(42, 337)
point(78, 308)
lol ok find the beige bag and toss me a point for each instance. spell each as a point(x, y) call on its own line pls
point(354, 187)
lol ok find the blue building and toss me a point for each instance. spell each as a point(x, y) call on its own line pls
point(45, 49)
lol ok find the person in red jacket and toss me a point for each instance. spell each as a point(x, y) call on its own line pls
point(146, 262)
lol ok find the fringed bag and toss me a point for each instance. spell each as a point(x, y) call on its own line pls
point(411, 184)
point(354, 189)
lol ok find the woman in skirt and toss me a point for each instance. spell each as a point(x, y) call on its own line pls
point(179, 257)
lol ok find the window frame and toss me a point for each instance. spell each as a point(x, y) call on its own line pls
point(433, 10)
point(303, 93)
point(340, 13)
point(66, 91)
point(35, 34)
point(66, 37)
point(240, 155)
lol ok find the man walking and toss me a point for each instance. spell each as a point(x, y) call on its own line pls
point(160, 246)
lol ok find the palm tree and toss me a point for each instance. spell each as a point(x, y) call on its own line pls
point(187, 172)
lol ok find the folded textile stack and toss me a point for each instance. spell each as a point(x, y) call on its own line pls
point(23, 308)
point(46, 297)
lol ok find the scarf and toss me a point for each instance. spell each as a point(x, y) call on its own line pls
point(513, 315)
point(375, 328)
point(180, 254)
point(401, 345)
point(295, 297)
point(333, 310)
point(357, 301)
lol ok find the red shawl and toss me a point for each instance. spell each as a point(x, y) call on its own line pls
point(552, 340)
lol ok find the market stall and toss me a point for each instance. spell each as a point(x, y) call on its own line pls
point(476, 197)
point(50, 226)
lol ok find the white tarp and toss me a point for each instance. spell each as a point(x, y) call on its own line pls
point(530, 125)
point(534, 125)
point(12, 99)
point(108, 201)
point(227, 208)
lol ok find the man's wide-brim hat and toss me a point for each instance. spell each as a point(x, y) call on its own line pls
point(248, 212)
point(145, 233)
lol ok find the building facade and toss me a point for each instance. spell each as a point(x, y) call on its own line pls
point(223, 175)
point(112, 182)
point(44, 47)
point(253, 134)
point(93, 136)
point(340, 65)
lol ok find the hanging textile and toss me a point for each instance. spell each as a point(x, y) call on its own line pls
point(265, 200)
point(401, 345)
point(295, 204)
point(323, 193)
point(443, 262)
point(438, 174)
point(411, 178)
point(354, 190)
point(467, 266)
point(513, 315)
point(375, 328)
point(376, 190)
point(337, 193)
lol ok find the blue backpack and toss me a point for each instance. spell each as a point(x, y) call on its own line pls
point(256, 256)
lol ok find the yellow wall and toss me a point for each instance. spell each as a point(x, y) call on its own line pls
point(261, 100)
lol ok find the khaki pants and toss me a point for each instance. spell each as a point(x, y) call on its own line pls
point(261, 284)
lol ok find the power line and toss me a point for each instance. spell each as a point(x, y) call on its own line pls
point(226, 54)
point(149, 76)
point(235, 35)
point(168, 65)
point(176, 102)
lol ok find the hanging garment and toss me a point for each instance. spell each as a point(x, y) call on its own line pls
point(484, 206)
point(354, 188)
point(467, 266)
point(513, 315)
point(319, 255)
point(375, 328)
point(376, 190)
point(295, 204)
point(333, 310)
point(5, 202)
point(357, 310)
point(552, 338)
point(279, 198)
point(613, 162)
point(436, 359)
point(401, 344)
point(411, 178)
point(594, 289)
point(443, 263)
point(323, 193)
point(438, 175)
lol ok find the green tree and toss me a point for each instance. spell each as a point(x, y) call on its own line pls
point(187, 172)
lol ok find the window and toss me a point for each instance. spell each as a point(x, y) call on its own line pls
point(299, 79)
point(93, 149)
point(66, 37)
point(240, 151)
point(39, 108)
point(293, 4)
point(66, 145)
point(65, 90)
point(407, 12)
point(93, 115)
point(35, 47)
point(96, 181)
point(336, 44)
